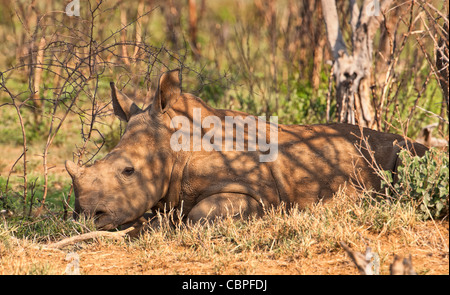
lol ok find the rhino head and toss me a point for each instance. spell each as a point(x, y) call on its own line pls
point(135, 175)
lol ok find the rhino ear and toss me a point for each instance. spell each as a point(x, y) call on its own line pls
point(73, 169)
point(124, 107)
point(169, 89)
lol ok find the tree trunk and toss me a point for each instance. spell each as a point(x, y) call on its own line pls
point(442, 64)
point(172, 18)
point(193, 28)
point(123, 34)
point(352, 72)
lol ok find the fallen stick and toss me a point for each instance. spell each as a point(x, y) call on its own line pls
point(363, 261)
point(88, 236)
point(364, 264)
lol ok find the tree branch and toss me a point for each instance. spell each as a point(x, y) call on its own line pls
point(88, 236)
point(354, 12)
point(333, 31)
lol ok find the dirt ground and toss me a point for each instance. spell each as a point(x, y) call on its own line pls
point(106, 257)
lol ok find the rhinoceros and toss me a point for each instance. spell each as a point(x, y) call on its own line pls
point(149, 168)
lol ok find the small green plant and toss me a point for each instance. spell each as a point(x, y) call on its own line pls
point(423, 180)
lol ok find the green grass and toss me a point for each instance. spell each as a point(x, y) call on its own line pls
point(12, 197)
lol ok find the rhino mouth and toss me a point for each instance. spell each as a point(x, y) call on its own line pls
point(104, 220)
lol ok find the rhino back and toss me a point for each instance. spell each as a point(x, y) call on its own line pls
point(313, 162)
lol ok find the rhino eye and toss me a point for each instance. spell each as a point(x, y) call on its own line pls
point(128, 171)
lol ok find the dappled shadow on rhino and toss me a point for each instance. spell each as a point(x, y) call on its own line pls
point(181, 154)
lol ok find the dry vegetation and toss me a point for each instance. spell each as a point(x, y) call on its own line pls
point(262, 57)
point(297, 242)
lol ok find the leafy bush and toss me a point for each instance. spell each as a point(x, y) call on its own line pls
point(423, 180)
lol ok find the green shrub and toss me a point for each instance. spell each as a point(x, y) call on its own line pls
point(423, 180)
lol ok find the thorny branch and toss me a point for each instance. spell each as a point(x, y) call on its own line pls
point(75, 60)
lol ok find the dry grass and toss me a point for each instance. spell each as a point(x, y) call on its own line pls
point(294, 242)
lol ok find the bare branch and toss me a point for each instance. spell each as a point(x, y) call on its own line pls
point(88, 236)
point(354, 12)
point(333, 31)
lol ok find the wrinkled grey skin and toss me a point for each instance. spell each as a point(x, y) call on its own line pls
point(133, 176)
point(143, 172)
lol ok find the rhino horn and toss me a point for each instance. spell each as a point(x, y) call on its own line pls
point(73, 169)
point(169, 89)
point(124, 107)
